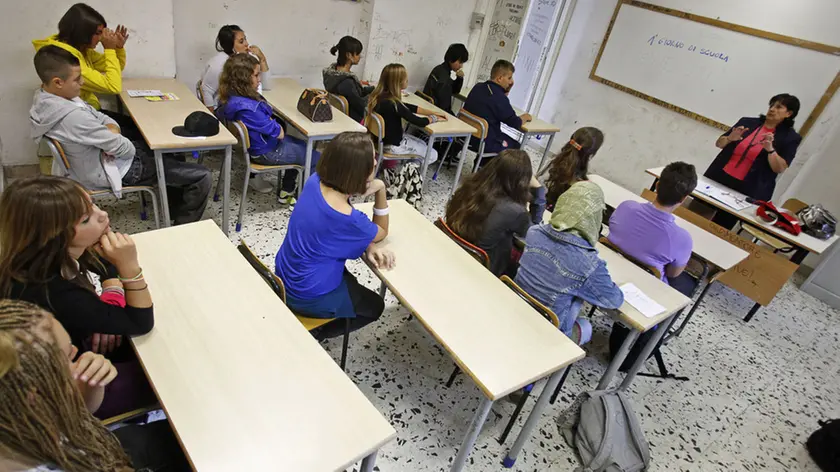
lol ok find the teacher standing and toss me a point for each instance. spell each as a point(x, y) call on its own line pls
point(755, 151)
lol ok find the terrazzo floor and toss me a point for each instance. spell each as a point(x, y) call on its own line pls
point(754, 394)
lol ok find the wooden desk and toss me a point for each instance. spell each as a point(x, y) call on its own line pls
point(492, 335)
point(707, 246)
point(804, 243)
point(451, 128)
point(621, 272)
point(283, 97)
point(534, 127)
point(156, 120)
point(243, 383)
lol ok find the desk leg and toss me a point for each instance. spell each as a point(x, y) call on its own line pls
point(646, 350)
point(535, 416)
point(678, 331)
point(752, 312)
point(653, 185)
point(309, 145)
point(545, 153)
point(622, 353)
point(460, 166)
point(798, 256)
point(368, 462)
point(429, 148)
point(472, 434)
point(164, 200)
point(226, 190)
point(382, 289)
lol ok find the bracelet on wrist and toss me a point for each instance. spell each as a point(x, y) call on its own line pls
point(137, 277)
point(144, 287)
point(381, 211)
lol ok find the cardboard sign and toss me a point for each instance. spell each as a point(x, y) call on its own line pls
point(760, 276)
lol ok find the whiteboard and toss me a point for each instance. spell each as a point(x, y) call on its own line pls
point(502, 34)
point(711, 73)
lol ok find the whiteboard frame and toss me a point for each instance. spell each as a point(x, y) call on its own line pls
point(819, 47)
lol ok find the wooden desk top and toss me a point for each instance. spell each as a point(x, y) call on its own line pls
point(623, 271)
point(805, 241)
point(451, 126)
point(706, 245)
point(156, 119)
point(283, 96)
point(492, 334)
point(244, 385)
point(534, 126)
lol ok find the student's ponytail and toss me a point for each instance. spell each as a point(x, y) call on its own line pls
point(346, 45)
point(571, 164)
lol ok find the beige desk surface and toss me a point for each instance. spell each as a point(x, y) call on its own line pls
point(492, 334)
point(452, 125)
point(806, 241)
point(623, 271)
point(283, 96)
point(156, 119)
point(245, 386)
point(706, 245)
point(534, 126)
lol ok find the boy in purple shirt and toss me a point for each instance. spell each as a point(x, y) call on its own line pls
point(649, 233)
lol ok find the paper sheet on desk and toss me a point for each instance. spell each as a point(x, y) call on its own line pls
point(638, 300)
point(144, 93)
point(723, 196)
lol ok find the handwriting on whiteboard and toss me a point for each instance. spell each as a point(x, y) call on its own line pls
point(678, 44)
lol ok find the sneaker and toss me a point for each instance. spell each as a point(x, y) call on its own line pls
point(258, 183)
point(286, 198)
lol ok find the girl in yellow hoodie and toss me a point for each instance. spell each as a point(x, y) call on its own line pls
point(80, 30)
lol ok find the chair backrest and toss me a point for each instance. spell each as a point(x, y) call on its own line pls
point(58, 152)
point(339, 102)
point(270, 278)
point(238, 129)
point(476, 252)
point(199, 90)
point(545, 311)
point(376, 125)
point(477, 122)
point(428, 98)
point(793, 205)
point(650, 269)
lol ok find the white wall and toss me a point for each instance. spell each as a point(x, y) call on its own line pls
point(418, 39)
point(296, 36)
point(640, 134)
point(151, 52)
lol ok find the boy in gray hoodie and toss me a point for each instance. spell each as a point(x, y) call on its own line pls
point(99, 156)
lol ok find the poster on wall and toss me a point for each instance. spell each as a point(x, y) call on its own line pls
point(502, 35)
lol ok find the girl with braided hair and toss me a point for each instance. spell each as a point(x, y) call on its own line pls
point(47, 394)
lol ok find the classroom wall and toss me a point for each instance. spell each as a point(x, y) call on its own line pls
point(151, 52)
point(640, 134)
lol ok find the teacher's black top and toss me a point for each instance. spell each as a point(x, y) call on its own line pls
point(760, 181)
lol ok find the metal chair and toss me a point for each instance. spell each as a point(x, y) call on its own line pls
point(476, 252)
point(241, 132)
point(276, 284)
point(339, 102)
point(58, 154)
point(129, 415)
point(481, 128)
point(376, 126)
point(792, 205)
point(426, 97)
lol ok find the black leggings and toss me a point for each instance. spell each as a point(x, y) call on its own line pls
point(367, 304)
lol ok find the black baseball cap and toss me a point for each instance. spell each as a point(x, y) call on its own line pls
point(197, 124)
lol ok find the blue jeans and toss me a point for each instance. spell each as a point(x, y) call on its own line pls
point(290, 151)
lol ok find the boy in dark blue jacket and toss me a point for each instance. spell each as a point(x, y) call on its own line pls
point(489, 100)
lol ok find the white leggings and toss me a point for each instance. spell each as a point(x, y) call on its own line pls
point(412, 145)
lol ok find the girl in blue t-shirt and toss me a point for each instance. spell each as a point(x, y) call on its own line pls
point(325, 231)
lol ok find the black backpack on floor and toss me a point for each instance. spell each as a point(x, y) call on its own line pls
point(824, 445)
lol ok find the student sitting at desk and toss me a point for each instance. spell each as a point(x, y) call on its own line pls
point(648, 233)
point(48, 392)
point(52, 238)
point(325, 231)
point(571, 164)
point(99, 156)
point(230, 40)
point(560, 266)
point(490, 208)
point(338, 78)
point(440, 85)
point(240, 101)
point(489, 100)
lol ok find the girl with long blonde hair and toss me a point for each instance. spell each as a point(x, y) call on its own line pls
point(240, 100)
point(386, 100)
